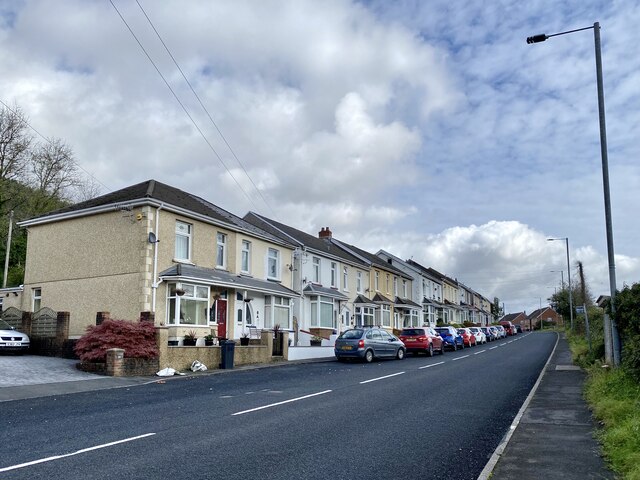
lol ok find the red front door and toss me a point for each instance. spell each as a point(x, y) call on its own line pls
point(221, 317)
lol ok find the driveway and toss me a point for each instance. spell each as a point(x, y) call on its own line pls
point(20, 370)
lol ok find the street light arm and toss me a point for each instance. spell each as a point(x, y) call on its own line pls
point(542, 36)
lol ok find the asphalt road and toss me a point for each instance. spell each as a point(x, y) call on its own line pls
point(417, 418)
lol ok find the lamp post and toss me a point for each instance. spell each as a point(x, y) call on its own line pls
point(605, 177)
point(566, 239)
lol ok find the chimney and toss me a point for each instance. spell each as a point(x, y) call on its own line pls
point(324, 233)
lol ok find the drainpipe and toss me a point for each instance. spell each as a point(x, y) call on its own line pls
point(154, 286)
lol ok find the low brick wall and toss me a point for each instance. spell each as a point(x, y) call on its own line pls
point(131, 367)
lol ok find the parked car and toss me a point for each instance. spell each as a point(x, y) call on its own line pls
point(452, 339)
point(491, 334)
point(518, 328)
point(12, 340)
point(468, 338)
point(501, 331)
point(480, 335)
point(422, 339)
point(368, 343)
point(509, 327)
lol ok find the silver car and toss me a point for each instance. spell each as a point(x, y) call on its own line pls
point(481, 338)
point(12, 340)
point(367, 343)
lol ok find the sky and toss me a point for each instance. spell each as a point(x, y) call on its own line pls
point(429, 129)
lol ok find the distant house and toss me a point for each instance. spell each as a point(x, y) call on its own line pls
point(519, 318)
point(546, 315)
point(154, 248)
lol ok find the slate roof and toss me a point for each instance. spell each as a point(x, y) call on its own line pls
point(219, 277)
point(292, 235)
point(158, 192)
point(382, 299)
point(405, 302)
point(312, 289)
point(373, 259)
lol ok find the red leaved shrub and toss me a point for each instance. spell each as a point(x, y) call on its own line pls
point(138, 339)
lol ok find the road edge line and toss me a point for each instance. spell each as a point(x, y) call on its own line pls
point(497, 453)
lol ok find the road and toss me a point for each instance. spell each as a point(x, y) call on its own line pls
point(416, 418)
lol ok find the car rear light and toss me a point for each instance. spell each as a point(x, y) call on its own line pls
point(360, 343)
point(422, 339)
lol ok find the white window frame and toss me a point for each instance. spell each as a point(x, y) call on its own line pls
point(345, 278)
point(245, 257)
point(404, 289)
point(318, 305)
point(395, 286)
point(358, 282)
point(316, 269)
point(377, 281)
point(388, 285)
point(334, 274)
point(180, 234)
point(36, 299)
point(221, 250)
point(273, 303)
point(192, 293)
point(273, 258)
point(363, 312)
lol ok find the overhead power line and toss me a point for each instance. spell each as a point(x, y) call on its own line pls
point(211, 147)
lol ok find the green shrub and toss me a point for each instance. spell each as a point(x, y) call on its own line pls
point(137, 339)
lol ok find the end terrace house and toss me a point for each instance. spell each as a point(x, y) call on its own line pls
point(154, 248)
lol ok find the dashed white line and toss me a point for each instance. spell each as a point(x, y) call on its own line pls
point(492, 348)
point(432, 365)
point(381, 378)
point(481, 351)
point(280, 403)
point(460, 358)
point(84, 450)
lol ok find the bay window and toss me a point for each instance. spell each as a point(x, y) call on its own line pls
point(322, 312)
point(189, 308)
point(365, 316)
point(277, 311)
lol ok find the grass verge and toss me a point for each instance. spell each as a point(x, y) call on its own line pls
point(614, 397)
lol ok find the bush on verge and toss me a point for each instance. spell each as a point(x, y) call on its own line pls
point(137, 339)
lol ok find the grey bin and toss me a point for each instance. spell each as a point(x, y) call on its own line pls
point(227, 349)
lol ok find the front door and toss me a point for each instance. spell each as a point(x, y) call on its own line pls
point(221, 317)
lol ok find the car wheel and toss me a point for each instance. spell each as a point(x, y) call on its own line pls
point(368, 356)
point(430, 350)
point(455, 346)
point(462, 346)
point(442, 348)
point(400, 354)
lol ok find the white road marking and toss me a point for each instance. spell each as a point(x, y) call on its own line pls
point(381, 378)
point(492, 348)
point(84, 450)
point(281, 403)
point(432, 365)
point(481, 351)
point(460, 358)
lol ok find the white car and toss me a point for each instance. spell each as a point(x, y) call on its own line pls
point(481, 338)
point(12, 340)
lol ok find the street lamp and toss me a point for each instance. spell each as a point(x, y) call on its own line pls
point(605, 177)
point(566, 239)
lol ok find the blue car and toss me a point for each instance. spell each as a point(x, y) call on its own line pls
point(451, 338)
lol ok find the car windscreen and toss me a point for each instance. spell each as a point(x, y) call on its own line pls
point(4, 325)
point(412, 331)
point(442, 331)
point(355, 333)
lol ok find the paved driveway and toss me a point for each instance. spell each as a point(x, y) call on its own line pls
point(18, 370)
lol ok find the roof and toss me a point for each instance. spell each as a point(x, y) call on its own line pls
point(540, 311)
point(152, 192)
point(292, 235)
point(214, 276)
point(379, 298)
point(363, 299)
point(372, 259)
point(405, 302)
point(312, 289)
point(510, 317)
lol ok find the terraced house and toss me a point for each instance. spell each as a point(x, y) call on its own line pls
point(154, 248)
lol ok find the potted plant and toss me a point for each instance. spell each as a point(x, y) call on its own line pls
point(190, 339)
point(208, 340)
point(316, 341)
point(244, 339)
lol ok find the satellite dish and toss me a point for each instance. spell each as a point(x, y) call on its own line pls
point(152, 238)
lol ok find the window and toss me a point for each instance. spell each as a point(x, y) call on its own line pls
point(424, 288)
point(245, 259)
point(190, 308)
point(37, 299)
point(183, 241)
point(359, 282)
point(322, 312)
point(388, 285)
point(221, 252)
point(273, 264)
point(334, 275)
point(316, 270)
point(377, 281)
point(383, 316)
point(404, 289)
point(277, 311)
point(411, 319)
point(395, 286)
point(345, 278)
point(364, 316)
point(244, 310)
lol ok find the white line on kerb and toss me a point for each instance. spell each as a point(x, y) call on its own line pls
point(84, 450)
point(432, 365)
point(481, 351)
point(381, 378)
point(460, 358)
point(281, 403)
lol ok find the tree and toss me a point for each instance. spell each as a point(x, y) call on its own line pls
point(496, 310)
point(628, 320)
point(15, 142)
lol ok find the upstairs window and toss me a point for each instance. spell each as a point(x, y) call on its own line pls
point(316, 270)
point(183, 241)
point(273, 264)
point(345, 278)
point(36, 300)
point(359, 282)
point(221, 252)
point(245, 261)
point(377, 281)
point(334, 274)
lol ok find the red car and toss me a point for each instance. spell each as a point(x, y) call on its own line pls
point(468, 337)
point(422, 339)
point(509, 327)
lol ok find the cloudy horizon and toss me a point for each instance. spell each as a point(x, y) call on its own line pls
point(427, 129)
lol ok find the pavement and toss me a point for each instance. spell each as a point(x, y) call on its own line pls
point(551, 437)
